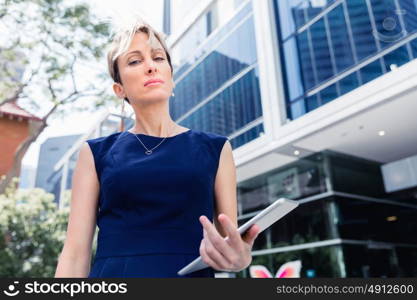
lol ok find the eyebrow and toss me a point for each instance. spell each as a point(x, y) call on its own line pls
point(139, 52)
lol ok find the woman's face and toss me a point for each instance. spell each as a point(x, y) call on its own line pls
point(139, 64)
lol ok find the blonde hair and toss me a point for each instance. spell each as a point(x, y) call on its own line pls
point(122, 40)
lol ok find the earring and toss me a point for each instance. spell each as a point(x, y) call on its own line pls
point(173, 95)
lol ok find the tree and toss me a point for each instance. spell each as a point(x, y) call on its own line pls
point(52, 42)
point(32, 232)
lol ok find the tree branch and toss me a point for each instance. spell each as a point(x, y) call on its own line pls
point(21, 87)
point(72, 73)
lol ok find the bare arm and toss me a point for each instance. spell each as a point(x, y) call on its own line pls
point(75, 257)
point(225, 188)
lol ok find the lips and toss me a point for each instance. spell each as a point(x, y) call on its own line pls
point(153, 81)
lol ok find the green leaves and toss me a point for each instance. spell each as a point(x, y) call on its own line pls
point(48, 34)
point(32, 232)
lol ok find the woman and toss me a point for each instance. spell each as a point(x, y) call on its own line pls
point(154, 188)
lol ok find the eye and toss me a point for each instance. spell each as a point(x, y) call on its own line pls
point(133, 62)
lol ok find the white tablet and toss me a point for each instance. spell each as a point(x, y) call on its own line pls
point(264, 219)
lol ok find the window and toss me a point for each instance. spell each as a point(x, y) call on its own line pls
point(361, 28)
point(343, 54)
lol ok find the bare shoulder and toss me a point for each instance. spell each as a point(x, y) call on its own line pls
point(85, 152)
point(227, 147)
point(226, 154)
point(85, 158)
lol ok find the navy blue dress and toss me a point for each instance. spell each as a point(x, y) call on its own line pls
point(149, 205)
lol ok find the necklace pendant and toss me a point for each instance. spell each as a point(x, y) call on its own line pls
point(148, 152)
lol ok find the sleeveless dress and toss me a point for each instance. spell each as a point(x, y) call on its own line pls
point(149, 205)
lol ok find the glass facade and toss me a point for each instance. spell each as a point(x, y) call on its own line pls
point(324, 42)
point(217, 87)
point(365, 261)
point(181, 10)
point(345, 226)
point(195, 36)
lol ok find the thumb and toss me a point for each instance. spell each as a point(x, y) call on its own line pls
point(250, 235)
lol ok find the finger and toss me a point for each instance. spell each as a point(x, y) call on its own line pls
point(216, 256)
point(215, 238)
point(231, 229)
point(206, 258)
point(250, 236)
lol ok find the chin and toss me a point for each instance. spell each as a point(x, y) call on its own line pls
point(155, 98)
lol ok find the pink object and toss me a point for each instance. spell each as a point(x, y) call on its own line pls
point(290, 269)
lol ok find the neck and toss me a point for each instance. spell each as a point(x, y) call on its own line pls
point(153, 119)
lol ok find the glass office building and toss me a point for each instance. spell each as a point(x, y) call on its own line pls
point(318, 100)
point(217, 80)
point(344, 226)
point(332, 47)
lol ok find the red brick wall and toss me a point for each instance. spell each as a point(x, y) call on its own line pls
point(12, 134)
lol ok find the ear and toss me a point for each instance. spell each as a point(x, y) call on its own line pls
point(119, 90)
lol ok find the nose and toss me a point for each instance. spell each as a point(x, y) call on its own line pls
point(151, 66)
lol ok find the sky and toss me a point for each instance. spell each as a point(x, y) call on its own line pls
point(78, 123)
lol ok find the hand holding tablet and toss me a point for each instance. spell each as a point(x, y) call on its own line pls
point(264, 219)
